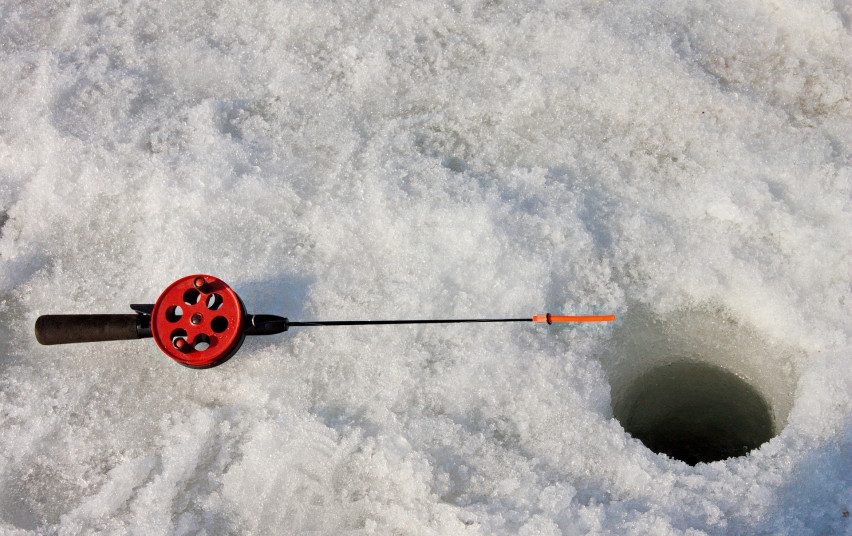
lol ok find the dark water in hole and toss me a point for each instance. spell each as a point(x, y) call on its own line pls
point(695, 412)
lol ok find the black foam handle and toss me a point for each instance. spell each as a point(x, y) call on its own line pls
point(63, 329)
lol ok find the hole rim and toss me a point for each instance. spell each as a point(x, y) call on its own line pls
point(708, 332)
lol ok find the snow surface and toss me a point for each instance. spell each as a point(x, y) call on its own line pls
point(684, 164)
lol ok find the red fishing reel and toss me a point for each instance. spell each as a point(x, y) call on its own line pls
point(198, 321)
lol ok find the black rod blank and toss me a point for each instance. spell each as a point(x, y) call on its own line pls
point(394, 322)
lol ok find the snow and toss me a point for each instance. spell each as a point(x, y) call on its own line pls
point(684, 165)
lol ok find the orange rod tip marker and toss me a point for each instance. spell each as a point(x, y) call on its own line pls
point(550, 319)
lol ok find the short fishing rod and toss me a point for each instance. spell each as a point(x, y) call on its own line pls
point(200, 322)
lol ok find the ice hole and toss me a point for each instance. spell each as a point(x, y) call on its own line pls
point(697, 385)
point(695, 412)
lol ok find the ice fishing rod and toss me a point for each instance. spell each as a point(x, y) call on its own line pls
point(200, 322)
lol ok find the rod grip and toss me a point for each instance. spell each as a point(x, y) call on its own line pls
point(64, 329)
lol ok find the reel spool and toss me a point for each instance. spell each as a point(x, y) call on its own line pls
point(198, 321)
